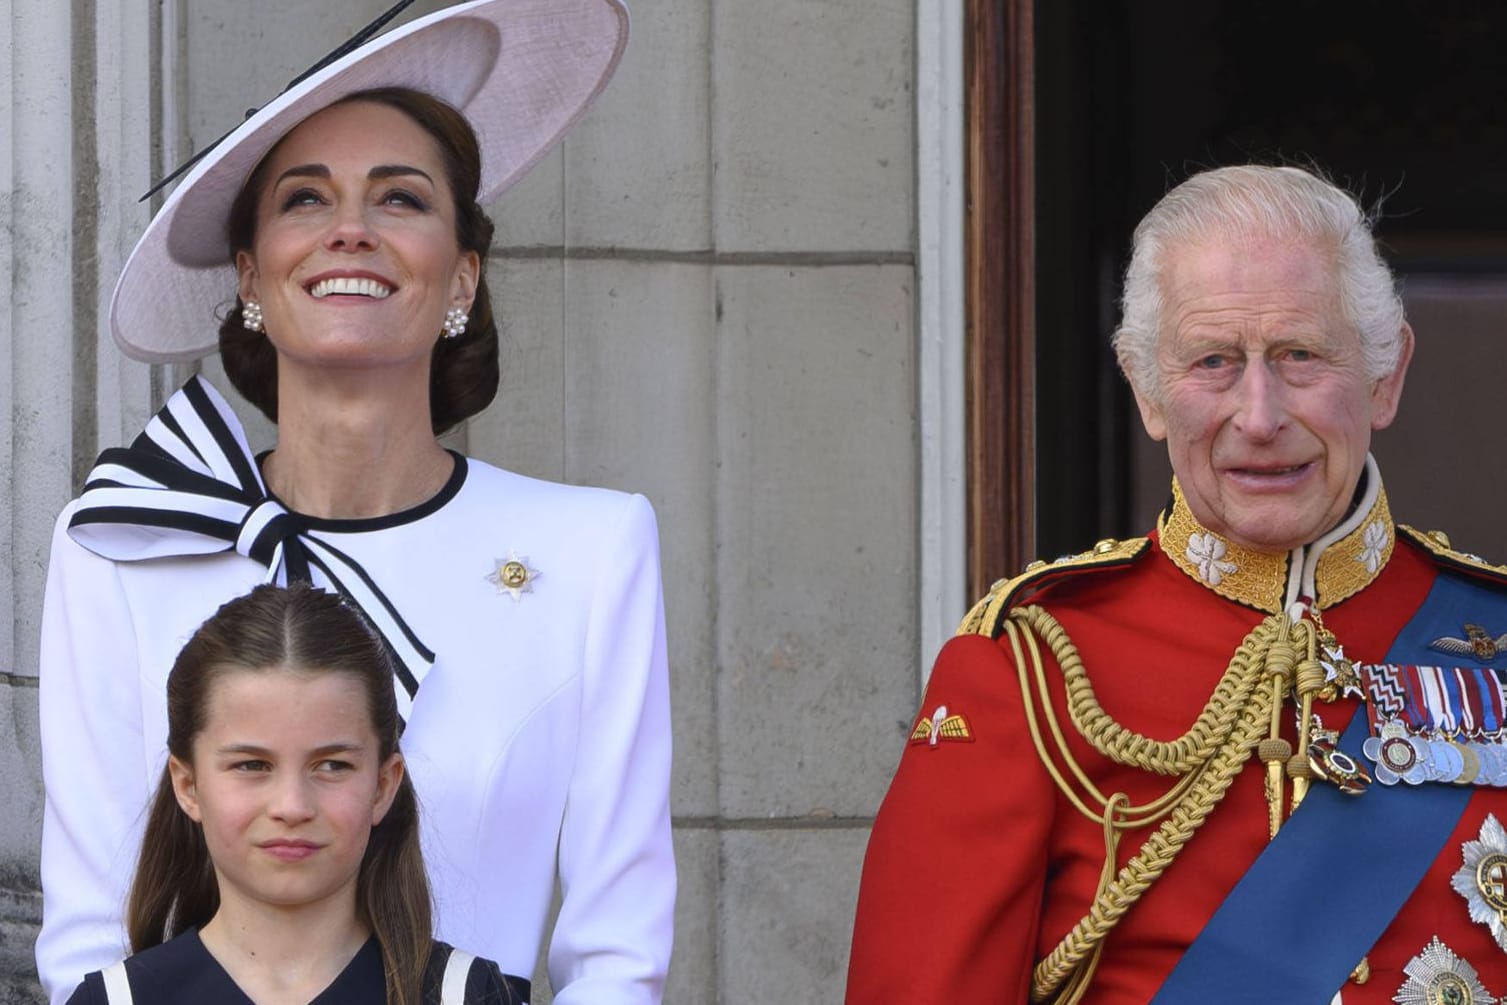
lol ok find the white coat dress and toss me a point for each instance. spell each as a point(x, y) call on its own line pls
point(539, 741)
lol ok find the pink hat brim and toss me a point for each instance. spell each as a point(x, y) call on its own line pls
point(522, 72)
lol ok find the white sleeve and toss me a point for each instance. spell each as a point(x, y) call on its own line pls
point(611, 943)
point(92, 765)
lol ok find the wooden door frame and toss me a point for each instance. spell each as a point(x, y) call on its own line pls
point(1001, 304)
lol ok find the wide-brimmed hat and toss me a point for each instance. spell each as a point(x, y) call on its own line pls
point(522, 71)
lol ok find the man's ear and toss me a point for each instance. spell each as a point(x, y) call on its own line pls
point(1386, 394)
point(1151, 414)
point(182, 776)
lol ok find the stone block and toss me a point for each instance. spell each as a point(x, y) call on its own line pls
point(523, 429)
point(20, 788)
point(788, 901)
point(816, 560)
point(693, 967)
point(637, 167)
point(20, 920)
point(20, 880)
point(639, 415)
point(531, 214)
point(813, 125)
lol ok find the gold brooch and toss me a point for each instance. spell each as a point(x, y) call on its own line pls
point(1482, 880)
point(1437, 976)
point(513, 575)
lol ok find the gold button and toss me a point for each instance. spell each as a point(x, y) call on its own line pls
point(1106, 546)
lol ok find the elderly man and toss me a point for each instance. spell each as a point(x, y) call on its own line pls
point(1255, 756)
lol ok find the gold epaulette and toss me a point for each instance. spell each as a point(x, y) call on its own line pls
point(988, 615)
point(1436, 543)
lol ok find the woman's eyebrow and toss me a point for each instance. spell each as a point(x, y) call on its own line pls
point(394, 170)
point(380, 171)
point(303, 171)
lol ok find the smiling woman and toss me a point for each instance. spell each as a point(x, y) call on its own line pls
point(524, 619)
point(353, 258)
point(407, 154)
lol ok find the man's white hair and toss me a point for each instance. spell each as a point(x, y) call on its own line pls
point(1236, 205)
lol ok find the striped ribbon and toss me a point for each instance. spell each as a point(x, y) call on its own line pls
point(189, 485)
point(1453, 701)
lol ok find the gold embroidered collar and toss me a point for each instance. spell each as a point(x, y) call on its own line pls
point(1336, 566)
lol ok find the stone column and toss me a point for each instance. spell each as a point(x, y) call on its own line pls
point(76, 127)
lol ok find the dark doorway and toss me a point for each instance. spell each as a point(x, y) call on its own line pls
point(1400, 103)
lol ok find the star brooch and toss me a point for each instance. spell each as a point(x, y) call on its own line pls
point(1437, 975)
point(513, 575)
point(1482, 880)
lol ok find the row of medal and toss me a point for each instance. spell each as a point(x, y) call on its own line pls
point(1400, 756)
point(1435, 724)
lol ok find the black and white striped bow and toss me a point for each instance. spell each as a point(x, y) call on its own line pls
point(189, 485)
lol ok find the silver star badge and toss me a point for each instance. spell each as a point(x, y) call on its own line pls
point(1482, 880)
point(1437, 976)
point(513, 575)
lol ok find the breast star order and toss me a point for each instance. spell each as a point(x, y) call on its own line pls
point(1482, 879)
point(1438, 975)
point(513, 575)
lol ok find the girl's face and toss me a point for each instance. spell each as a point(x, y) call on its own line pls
point(287, 780)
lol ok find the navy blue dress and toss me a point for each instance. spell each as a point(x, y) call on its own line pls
point(182, 972)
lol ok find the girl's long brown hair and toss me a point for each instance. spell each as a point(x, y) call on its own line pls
point(307, 631)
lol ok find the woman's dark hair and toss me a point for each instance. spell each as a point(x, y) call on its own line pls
point(302, 630)
point(463, 370)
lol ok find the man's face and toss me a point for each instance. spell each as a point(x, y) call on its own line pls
point(1266, 407)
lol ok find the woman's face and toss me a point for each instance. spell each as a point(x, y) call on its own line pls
point(287, 779)
point(355, 260)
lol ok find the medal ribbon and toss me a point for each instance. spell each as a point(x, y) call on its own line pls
point(1469, 702)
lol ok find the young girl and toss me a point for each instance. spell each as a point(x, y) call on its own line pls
point(281, 857)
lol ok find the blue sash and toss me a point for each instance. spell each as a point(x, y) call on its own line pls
point(1319, 896)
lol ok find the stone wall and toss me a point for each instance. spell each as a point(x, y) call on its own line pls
point(708, 294)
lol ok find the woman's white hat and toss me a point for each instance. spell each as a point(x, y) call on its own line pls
point(522, 71)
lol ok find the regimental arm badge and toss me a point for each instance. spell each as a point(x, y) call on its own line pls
point(942, 725)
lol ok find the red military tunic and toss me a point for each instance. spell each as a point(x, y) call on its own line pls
point(978, 864)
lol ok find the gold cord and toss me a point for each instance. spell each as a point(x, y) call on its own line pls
point(1208, 757)
point(1172, 757)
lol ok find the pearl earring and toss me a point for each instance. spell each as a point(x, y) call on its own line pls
point(251, 316)
point(456, 320)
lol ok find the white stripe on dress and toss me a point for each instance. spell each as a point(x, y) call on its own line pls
point(117, 988)
point(457, 969)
